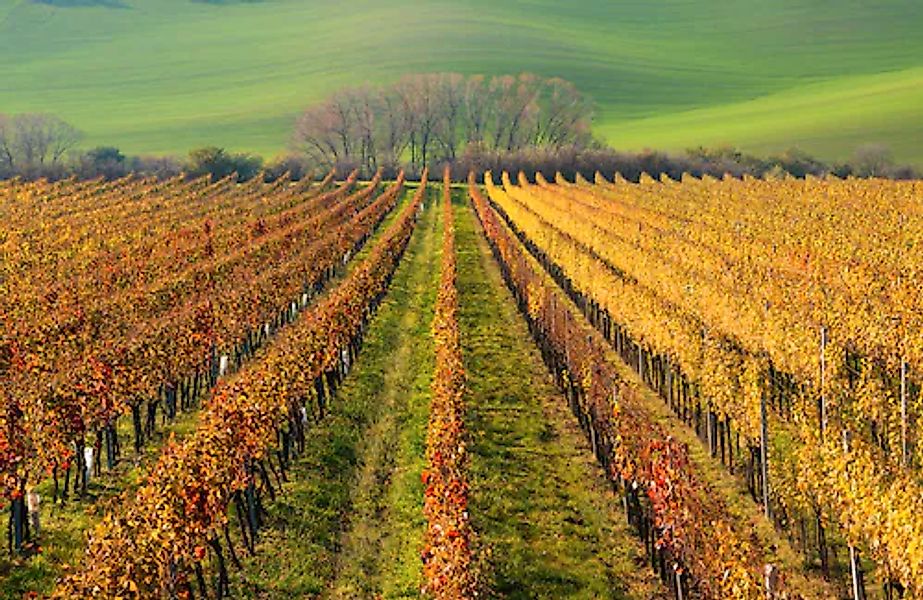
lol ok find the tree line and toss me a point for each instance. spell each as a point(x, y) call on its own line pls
point(430, 119)
point(501, 123)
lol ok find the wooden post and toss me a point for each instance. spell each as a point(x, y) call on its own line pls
point(764, 452)
point(18, 508)
point(709, 433)
point(854, 571)
point(823, 381)
point(905, 447)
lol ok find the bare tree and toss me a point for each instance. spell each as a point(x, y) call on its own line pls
point(405, 90)
point(340, 122)
point(516, 104)
point(476, 109)
point(450, 97)
point(420, 98)
point(872, 160)
point(432, 117)
point(323, 132)
point(395, 126)
point(562, 119)
point(365, 107)
point(32, 141)
point(41, 139)
point(6, 144)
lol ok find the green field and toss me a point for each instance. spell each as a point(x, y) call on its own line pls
point(166, 76)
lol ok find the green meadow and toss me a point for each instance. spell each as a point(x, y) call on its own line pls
point(164, 76)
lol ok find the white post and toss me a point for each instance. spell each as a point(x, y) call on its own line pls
point(344, 359)
point(33, 504)
point(853, 555)
point(771, 580)
point(854, 571)
point(88, 461)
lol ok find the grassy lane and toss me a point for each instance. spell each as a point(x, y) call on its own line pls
point(350, 524)
point(550, 522)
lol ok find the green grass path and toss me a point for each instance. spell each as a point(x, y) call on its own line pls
point(350, 524)
point(551, 524)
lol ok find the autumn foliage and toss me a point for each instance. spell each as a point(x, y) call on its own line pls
point(126, 291)
point(691, 527)
point(175, 520)
point(448, 565)
point(795, 294)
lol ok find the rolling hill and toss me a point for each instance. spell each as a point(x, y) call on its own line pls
point(166, 76)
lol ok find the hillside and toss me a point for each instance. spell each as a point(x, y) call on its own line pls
point(165, 76)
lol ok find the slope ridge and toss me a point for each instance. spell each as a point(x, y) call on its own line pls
point(175, 74)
